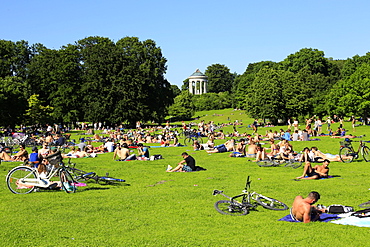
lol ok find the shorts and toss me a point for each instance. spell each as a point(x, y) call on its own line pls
point(251, 155)
point(186, 168)
point(222, 148)
point(313, 173)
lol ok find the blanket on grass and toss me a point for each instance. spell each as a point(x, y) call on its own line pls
point(353, 221)
point(323, 218)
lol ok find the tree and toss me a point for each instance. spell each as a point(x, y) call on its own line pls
point(13, 101)
point(311, 59)
point(183, 107)
point(351, 96)
point(36, 112)
point(265, 98)
point(175, 90)
point(219, 78)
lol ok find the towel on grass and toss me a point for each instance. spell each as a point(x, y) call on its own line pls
point(354, 221)
point(323, 218)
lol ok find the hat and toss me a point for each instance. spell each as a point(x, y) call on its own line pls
point(34, 148)
point(53, 148)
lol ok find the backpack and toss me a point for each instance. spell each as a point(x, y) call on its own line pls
point(339, 209)
point(156, 157)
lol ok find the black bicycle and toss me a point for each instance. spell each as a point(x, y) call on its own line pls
point(241, 204)
point(347, 153)
point(81, 176)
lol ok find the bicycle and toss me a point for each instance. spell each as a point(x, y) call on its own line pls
point(347, 153)
point(25, 179)
point(271, 162)
point(365, 205)
point(189, 139)
point(80, 175)
point(238, 208)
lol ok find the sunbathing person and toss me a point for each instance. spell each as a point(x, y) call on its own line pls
point(303, 208)
point(227, 147)
point(316, 172)
point(320, 156)
point(239, 150)
point(121, 151)
point(252, 149)
point(22, 155)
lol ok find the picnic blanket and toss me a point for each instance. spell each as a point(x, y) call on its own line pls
point(323, 218)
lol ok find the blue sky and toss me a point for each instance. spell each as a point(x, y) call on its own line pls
point(196, 34)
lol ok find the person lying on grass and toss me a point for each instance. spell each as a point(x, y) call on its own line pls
point(227, 147)
point(316, 172)
point(186, 165)
point(304, 210)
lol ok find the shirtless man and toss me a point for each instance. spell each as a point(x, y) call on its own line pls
point(303, 209)
point(122, 152)
point(252, 149)
point(316, 172)
point(227, 147)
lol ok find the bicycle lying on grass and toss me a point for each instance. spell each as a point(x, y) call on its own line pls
point(347, 153)
point(275, 162)
point(24, 179)
point(80, 175)
point(365, 205)
point(242, 207)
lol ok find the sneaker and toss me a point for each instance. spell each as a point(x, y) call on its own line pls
point(169, 168)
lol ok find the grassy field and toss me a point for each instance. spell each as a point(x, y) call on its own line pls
point(156, 208)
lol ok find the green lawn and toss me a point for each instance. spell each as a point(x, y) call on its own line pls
point(156, 208)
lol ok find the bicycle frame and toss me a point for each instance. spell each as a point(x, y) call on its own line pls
point(39, 182)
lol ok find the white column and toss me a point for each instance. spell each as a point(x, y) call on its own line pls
point(190, 86)
point(200, 87)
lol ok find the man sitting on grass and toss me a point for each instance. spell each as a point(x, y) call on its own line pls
point(303, 210)
point(318, 171)
point(188, 167)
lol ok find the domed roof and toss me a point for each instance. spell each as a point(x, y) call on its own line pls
point(197, 73)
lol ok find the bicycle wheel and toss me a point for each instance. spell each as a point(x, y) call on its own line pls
point(293, 164)
point(366, 153)
point(230, 208)
point(365, 205)
point(68, 184)
point(266, 163)
point(271, 203)
point(17, 180)
point(200, 140)
point(80, 175)
point(188, 141)
point(110, 180)
point(346, 154)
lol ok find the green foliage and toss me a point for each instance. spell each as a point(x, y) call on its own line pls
point(36, 112)
point(219, 78)
point(212, 101)
point(13, 101)
point(352, 96)
point(311, 59)
point(183, 106)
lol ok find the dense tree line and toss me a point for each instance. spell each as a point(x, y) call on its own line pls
point(94, 80)
point(302, 85)
point(305, 84)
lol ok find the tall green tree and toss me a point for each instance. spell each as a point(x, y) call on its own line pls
point(13, 101)
point(219, 78)
point(351, 96)
point(265, 99)
point(311, 59)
